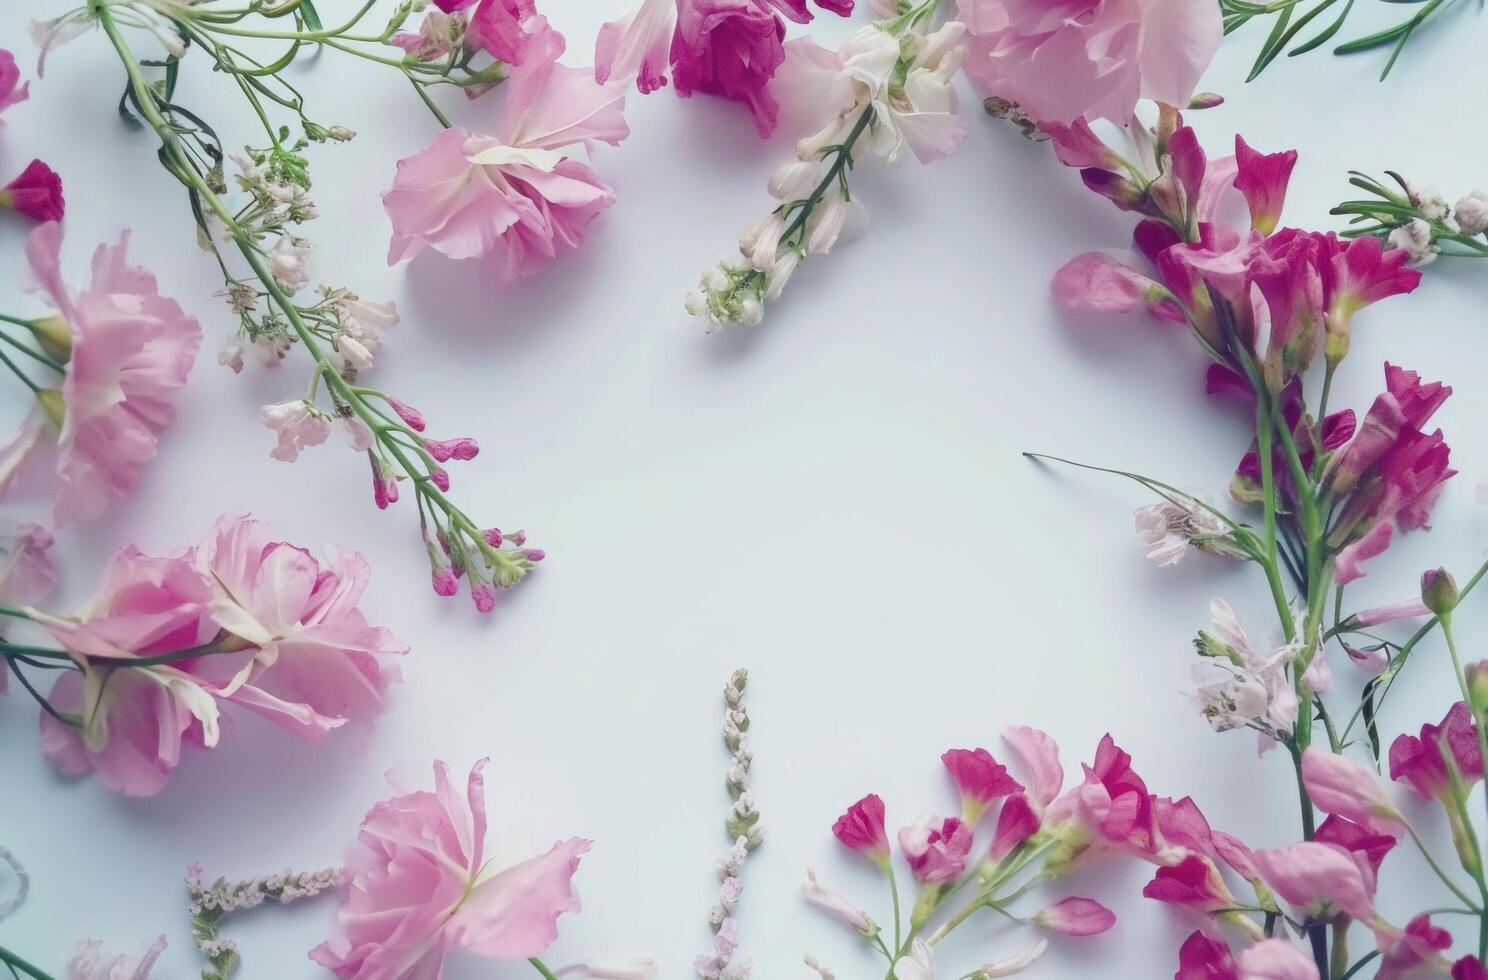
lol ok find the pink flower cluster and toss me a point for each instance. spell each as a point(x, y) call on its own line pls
point(420, 885)
point(241, 618)
point(37, 191)
point(519, 197)
point(729, 48)
point(128, 351)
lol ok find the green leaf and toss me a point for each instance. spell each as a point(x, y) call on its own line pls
point(1326, 35)
point(311, 15)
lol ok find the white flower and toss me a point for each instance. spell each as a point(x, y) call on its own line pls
point(355, 355)
point(796, 180)
point(298, 424)
point(826, 222)
point(1415, 237)
point(835, 904)
point(1472, 213)
point(1430, 204)
point(368, 314)
point(230, 355)
point(696, 303)
point(761, 241)
point(1254, 689)
point(751, 312)
point(918, 965)
point(287, 262)
point(820, 968)
point(639, 969)
point(356, 433)
point(1016, 963)
point(250, 174)
point(1169, 530)
point(780, 273)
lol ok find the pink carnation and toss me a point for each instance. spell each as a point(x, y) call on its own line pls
point(1061, 60)
point(131, 351)
point(518, 197)
point(729, 48)
point(420, 885)
point(36, 193)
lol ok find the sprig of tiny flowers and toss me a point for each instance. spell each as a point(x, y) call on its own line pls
point(211, 904)
point(339, 331)
point(1290, 19)
point(742, 825)
point(1418, 220)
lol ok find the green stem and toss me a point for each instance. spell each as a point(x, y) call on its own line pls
point(538, 965)
point(5, 358)
point(35, 355)
point(16, 963)
point(894, 897)
point(1440, 872)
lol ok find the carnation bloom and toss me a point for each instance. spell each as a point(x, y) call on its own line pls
point(419, 885)
point(729, 48)
point(131, 351)
point(315, 661)
point(36, 193)
point(133, 719)
point(1069, 59)
point(519, 197)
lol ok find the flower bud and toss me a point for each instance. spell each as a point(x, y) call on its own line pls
point(54, 336)
point(341, 134)
point(1205, 100)
point(53, 405)
point(1477, 684)
point(1439, 592)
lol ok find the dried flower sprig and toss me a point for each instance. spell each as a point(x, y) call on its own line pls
point(22, 883)
point(1289, 18)
point(1418, 220)
point(742, 826)
point(339, 331)
point(211, 904)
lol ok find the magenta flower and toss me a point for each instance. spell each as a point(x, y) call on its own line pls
point(1112, 807)
point(131, 351)
point(13, 91)
point(134, 719)
point(1469, 968)
point(315, 662)
point(1359, 841)
point(862, 829)
point(729, 48)
point(1421, 762)
point(1193, 882)
point(1358, 273)
point(1070, 59)
point(519, 197)
point(1076, 916)
point(1263, 179)
point(1203, 957)
point(1319, 880)
point(36, 193)
point(980, 779)
point(420, 885)
point(1415, 951)
point(936, 849)
point(1016, 822)
point(509, 30)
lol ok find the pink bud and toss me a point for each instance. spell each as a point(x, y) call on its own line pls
point(441, 478)
point(410, 415)
point(444, 581)
point(36, 193)
point(444, 450)
point(1076, 917)
point(535, 554)
point(517, 538)
point(862, 828)
point(493, 537)
point(379, 488)
point(484, 597)
point(392, 489)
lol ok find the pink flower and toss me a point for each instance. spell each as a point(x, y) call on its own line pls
point(1076, 917)
point(837, 906)
point(1360, 272)
point(862, 829)
point(1193, 883)
point(36, 193)
point(1380, 615)
point(133, 718)
point(1319, 880)
point(1063, 60)
point(26, 572)
point(1039, 756)
point(637, 46)
point(980, 779)
point(419, 886)
point(132, 349)
point(1111, 809)
point(936, 849)
point(1202, 957)
point(13, 91)
point(1469, 968)
point(297, 425)
point(1416, 951)
point(1344, 787)
point(517, 197)
point(316, 663)
point(1095, 282)
point(1276, 959)
point(1359, 841)
point(1263, 179)
point(729, 48)
point(509, 30)
point(90, 962)
point(1421, 762)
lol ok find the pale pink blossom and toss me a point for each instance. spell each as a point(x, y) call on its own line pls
point(637, 46)
point(835, 904)
point(1276, 959)
point(1341, 786)
point(1405, 609)
point(315, 662)
point(1251, 688)
point(26, 572)
point(420, 886)
point(637, 969)
point(89, 962)
point(519, 197)
point(1017, 963)
point(1036, 750)
point(131, 351)
point(1319, 880)
point(1063, 60)
point(297, 425)
point(919, 964)
point(1096, 282)
point(134, 719)
point(1076, 916)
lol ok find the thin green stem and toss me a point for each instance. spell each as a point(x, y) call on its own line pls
point(16, 368)
point(30, 352)
point(538, 965)
point(16, 963)
point(1439, 870)
point(894, 897)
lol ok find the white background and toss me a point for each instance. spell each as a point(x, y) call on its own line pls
point(835, 500)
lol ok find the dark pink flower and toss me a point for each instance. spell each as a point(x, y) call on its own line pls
point(505, 28)
point(1076, 916)
point(36, 193)
point(1360, 841)
point(729, 48)
point(1112, 805)
point(13, 91)
point(1358, 273)
point(980, 779)
point(1016, 822)
point(862, 828)
point(1469, 968)
point(1263, 179)
point(1421, 762)
point(1076, 145)
point(1415, 951)
point(1203, 957)
point(936, 849)
point(1193, 883)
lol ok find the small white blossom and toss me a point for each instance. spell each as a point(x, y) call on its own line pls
point(230, 355)
point(1471, 213)
point(287, 262)
point(1170, 530)
point(1016, 963)
point(1415, 238)
point(298, 424)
